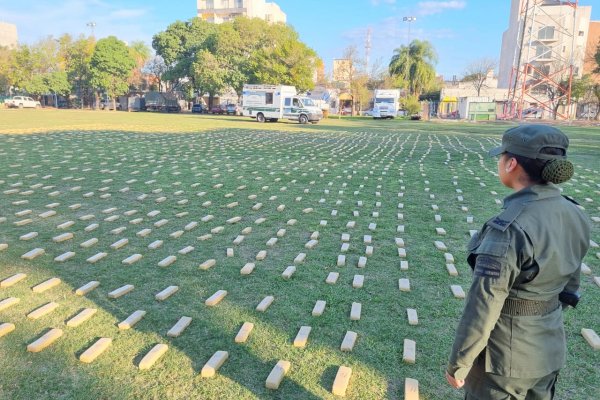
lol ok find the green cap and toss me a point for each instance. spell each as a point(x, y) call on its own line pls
point(529, 140)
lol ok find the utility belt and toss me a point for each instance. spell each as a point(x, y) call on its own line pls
point(529, 308)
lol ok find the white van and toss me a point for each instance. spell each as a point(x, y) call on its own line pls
point(386, 103)
point(273, 102)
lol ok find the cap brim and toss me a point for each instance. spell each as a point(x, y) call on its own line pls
point(496, 151)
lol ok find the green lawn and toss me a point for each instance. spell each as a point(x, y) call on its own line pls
point(190, 167)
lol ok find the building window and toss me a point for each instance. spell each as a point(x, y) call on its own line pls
point(545, 69)
point(546, 33)
point(268, 98)
point(239, 3)
point(542, 51)
point(210, 4)
point(581, 33)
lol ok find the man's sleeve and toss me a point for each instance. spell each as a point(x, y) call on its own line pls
point(494, 273)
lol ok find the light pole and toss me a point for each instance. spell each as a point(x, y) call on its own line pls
point(409, 20)
point(408, 66)
point(91, 25)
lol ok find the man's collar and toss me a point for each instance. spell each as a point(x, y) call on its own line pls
point(532, 193)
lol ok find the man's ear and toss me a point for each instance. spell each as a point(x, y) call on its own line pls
point(511, 164)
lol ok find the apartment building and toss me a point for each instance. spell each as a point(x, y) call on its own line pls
point(593, 44)
point(219, 11)
point(8, 35)
point(549, 34)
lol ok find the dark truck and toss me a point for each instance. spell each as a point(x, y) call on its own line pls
point(158, 101)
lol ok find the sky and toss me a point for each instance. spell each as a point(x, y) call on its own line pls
point(461, 31)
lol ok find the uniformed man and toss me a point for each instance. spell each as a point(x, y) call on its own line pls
point(510, 342)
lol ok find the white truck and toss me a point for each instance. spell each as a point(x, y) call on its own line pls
point(386, 103)
point(22, 102)
point(273, 102)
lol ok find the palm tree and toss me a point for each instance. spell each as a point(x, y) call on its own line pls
point(414, 65)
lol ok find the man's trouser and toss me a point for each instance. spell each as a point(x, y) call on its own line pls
point(481, 385)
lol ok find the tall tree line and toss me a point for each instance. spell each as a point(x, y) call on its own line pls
point(194, 57)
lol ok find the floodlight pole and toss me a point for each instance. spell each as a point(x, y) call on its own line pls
point(409, 20)
point(91, 25)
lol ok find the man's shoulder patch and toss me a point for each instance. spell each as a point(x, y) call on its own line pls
point(487, 266)
point(507, 217)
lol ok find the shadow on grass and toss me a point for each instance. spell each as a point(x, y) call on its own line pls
point(377, 356)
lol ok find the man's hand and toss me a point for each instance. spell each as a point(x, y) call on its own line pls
point(455, 383)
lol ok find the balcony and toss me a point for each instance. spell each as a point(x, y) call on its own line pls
point(223, 11)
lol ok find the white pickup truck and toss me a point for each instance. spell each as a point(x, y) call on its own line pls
point(22, 102)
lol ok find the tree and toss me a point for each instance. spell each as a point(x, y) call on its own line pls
point(351, 77)
point(413, 64)
point(244, 51)
point(77, 65)
point(477, 72)
point(31, 64)
point(286, 61)
point(140, 54)
point(594, 88)
point(55, 83)
point(360, 91)
point(411, 105)
point(6, 66)
point(156, 67)
point(58, 83)
point(597, 59)
point(36, 85)
point(208, 75)
point(111, 67)
point(178, 46)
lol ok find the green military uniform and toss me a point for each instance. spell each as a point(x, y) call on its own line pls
point(512, 327)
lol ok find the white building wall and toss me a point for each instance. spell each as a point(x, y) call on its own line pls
point(219, 11)
point(509, 44)
point(8, 35)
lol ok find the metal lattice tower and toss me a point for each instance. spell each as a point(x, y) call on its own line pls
point(543, 63)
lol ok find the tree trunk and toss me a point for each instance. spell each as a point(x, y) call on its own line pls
point(97, 101)
point(114, 101)
point(555, 111)
point(597, 94)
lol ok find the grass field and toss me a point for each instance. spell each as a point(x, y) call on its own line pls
point(107, 172)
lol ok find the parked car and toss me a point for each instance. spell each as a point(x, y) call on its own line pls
point(346, 111)
point(367, 113)
point(217, 109)
point(533, 112)
point(197, 108)
point(107, 104)
point(233, 109)
point(22, 102)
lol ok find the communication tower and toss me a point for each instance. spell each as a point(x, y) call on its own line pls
point(543, 64)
